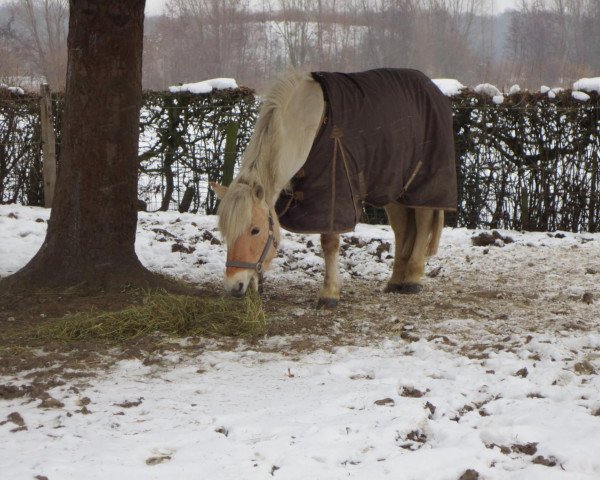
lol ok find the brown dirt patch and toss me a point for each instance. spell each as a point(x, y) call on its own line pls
point(49, 360)
point(470, 314)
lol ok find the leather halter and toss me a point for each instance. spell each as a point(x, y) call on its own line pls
point(258, 266)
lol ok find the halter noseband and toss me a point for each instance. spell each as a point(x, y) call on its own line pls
point(258, 266)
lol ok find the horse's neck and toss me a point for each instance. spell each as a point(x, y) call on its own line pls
point(296, 129)
point(301, 122)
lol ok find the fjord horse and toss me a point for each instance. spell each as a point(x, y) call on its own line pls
point(290, 117)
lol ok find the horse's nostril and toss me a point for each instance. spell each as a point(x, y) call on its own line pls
point(240, 287)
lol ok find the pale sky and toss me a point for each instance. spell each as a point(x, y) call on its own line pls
point(155, 7)
point(502, 5)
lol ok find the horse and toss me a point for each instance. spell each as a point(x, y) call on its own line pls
point(340, 120)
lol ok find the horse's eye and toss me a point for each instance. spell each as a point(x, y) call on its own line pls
point(255, 231)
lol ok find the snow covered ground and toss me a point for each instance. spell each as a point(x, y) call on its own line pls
point(491, 372)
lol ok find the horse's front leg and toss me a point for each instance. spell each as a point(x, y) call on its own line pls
point(330, 293)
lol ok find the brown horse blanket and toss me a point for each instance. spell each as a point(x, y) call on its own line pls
point(386, 136)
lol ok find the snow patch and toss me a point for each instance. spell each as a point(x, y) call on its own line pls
point(398, 408)
point(488, 89)
point(581, 96)
point(588, 84)
point(205, 86)
point(16, 90)
point(555, 91)
point(449, 86)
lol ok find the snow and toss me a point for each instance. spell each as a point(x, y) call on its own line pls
point(17, 90)
point(555, 91)
point(456, 397)
point(205, 86)
point(488, 89)
point(581, 96)
point(588, 84)
point(449, 86)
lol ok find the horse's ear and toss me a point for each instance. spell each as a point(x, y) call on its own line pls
point(259, 192)
point(220, 190)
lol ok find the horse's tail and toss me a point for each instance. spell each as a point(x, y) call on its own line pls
point(433, 238)
point(436, 232)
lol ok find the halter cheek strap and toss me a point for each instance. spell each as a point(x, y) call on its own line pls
point(258, 266)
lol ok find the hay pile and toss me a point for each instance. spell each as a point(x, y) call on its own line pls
point(160, 312)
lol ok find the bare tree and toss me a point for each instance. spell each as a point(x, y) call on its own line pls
point(9, 65)
point(43, 37)
point(554, 41)
point(213, 35)
point(295, 25)
point(590, 37)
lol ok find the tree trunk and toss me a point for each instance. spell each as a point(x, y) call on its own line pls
point(91, 232)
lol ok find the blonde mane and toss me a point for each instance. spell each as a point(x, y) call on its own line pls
point(262, 160)
point(235, 212)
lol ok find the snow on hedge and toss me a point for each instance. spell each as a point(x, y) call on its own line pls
point(17, 90)
point(487, 89)
point(449, 86)
point(581, 96)
point(555, 91)
point(205, 86)
point(588, 84)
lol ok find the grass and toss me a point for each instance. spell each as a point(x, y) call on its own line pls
point(160, 312)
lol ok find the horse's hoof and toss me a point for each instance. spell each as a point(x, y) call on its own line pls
point(411, 288)
point(327, 303)
point(393, 288)
point(403, 288)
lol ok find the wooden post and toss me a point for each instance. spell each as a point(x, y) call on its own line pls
point(188, 196)
point(48, 145)
point(231, 133)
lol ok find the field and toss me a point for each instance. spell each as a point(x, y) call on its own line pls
point(491, 372)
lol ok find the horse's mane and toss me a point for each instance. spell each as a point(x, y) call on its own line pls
point(260, 163)
point(235, 212)
point(262, 156)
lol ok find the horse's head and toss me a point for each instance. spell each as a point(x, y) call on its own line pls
point(251, 230)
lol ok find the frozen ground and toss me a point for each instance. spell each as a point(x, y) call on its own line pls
point(490, 373)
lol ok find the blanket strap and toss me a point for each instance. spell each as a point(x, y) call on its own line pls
point(337, 135)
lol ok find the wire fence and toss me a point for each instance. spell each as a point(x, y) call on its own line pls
point(530, 163)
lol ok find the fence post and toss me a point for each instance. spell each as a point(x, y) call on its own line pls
point(48, 145)
point(231, 133)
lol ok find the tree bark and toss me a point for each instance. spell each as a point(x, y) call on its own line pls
point(91, 231)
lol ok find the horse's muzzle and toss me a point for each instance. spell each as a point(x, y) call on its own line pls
point(238, 284)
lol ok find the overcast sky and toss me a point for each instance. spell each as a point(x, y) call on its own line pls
point(156, 7)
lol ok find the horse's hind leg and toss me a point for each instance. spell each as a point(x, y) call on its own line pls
point(416, 263)
point(399, 218)
point(423, 228)
point(330, 293)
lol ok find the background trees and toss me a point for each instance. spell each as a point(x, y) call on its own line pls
point(39, 38)
point(543, 42)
